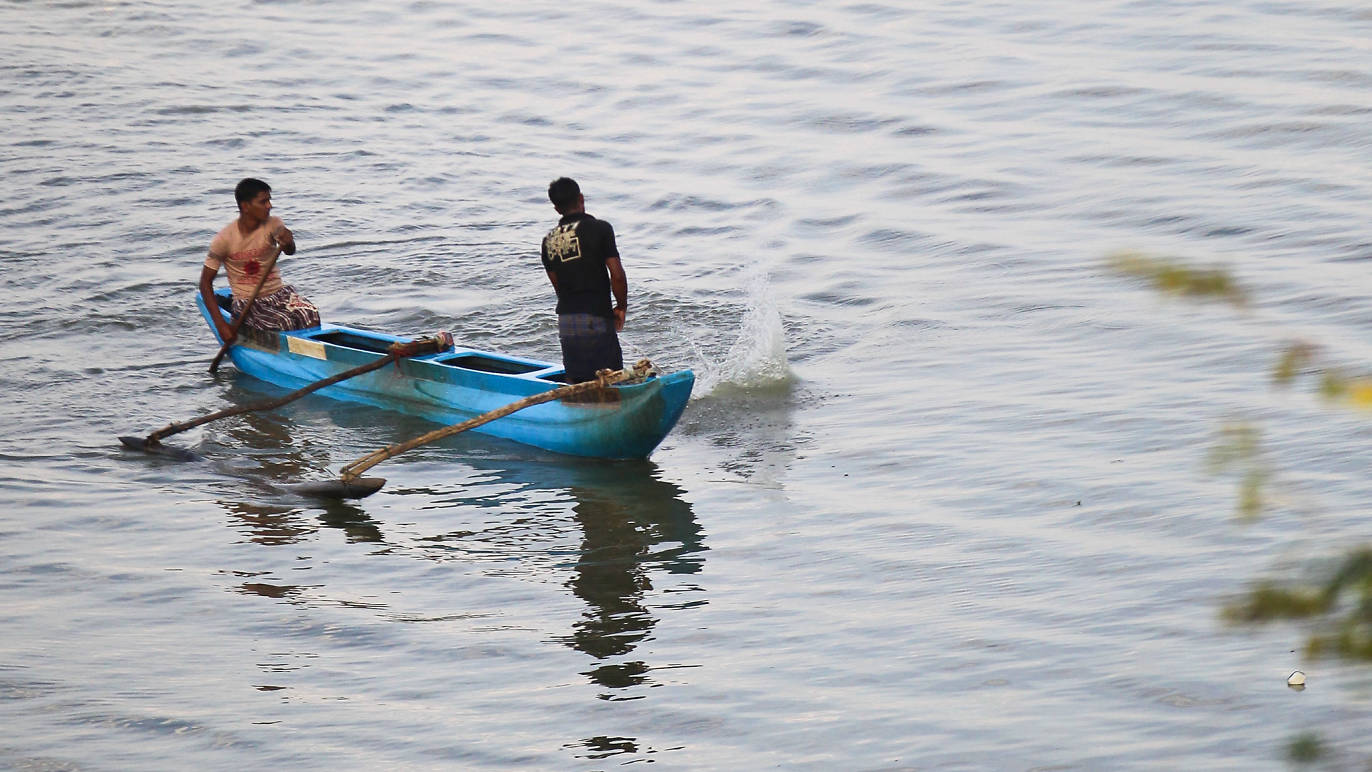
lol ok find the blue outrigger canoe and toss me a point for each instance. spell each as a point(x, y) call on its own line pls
point(449, 387)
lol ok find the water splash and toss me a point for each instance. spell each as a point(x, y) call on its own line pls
point(757, 359)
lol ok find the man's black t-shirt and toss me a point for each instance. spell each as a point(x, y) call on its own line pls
point(575, 252)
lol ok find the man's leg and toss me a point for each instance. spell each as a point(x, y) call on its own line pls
point(589, 344)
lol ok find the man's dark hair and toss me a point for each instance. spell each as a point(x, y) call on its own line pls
point(564, 192)
point(248, 188)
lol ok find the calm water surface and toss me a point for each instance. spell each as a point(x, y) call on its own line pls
point(941, 499)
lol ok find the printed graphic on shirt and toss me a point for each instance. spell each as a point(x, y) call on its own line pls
point(562, 243)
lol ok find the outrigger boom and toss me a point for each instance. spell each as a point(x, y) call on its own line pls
point(352, 485)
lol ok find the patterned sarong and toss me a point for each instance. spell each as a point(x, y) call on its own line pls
point(589, 344)
point(284, 309)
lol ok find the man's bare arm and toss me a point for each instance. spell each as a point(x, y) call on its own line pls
point(619, 286)
point(207, 275)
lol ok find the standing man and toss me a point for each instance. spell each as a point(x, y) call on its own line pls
point(583, 264)
point(243, 248)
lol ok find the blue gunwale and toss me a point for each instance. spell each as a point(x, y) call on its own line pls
point(431, 386)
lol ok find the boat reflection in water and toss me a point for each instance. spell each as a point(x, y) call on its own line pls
point(639, 540)
point(632, 524)
point(264, 451)
point(620, 535)
point(635, 530)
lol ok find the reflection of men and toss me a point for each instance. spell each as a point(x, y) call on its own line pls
point(582, 262)
point(635, 526)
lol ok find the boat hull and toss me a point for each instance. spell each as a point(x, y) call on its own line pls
point(626, 421)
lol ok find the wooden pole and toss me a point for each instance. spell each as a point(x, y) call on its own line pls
point(604, 379)
point(177, 428)
point(418, 347)
point(247, 309)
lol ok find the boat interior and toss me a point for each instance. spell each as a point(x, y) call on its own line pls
point(481, 362)
point(365, 340)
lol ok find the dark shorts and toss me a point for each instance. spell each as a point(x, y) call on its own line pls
point(589, 343)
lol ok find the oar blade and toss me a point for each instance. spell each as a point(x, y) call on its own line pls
point(159, 449)
point(357, 488)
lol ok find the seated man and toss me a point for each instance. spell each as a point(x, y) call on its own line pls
point(243, 248)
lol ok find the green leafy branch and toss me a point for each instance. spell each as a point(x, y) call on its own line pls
point(1342, 603)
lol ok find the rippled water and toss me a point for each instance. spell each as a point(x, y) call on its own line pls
point(941, 499)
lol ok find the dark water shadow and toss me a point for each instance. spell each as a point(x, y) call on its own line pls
point(271, 524)
point(268, 452)
point(641, 548)
point(635, 527)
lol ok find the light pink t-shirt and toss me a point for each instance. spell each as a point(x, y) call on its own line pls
point(243, 257)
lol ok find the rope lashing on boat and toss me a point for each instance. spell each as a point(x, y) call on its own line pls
point(430, 344)
point(603, 380)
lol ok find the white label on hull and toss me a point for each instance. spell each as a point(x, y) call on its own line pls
point(306, 347)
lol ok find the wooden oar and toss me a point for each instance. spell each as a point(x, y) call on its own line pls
point(351, 483)
point(153, 442)
point(247, 309)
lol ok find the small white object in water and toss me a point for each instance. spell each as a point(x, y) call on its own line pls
point(1297, 678)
